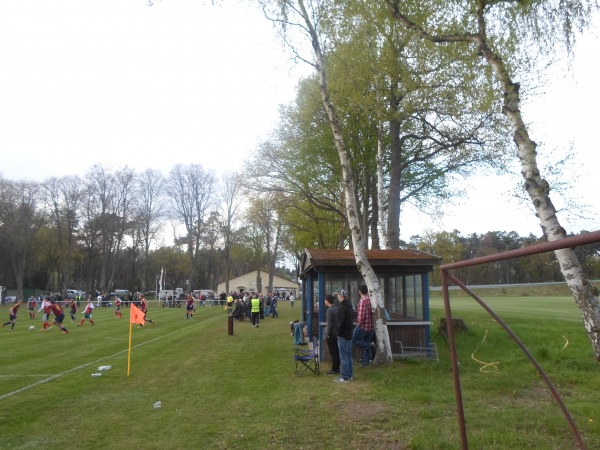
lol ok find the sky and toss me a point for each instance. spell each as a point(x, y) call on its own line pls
point(119, 82)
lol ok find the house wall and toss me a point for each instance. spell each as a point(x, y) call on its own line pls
point(248, 283)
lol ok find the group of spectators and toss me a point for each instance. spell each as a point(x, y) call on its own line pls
point(252, 305)
point(342, 335)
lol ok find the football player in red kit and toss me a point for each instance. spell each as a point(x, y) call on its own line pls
point(59, 316)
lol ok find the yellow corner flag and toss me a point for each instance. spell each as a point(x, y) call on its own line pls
point(135, 316)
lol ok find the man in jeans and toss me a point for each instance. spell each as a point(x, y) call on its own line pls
point(363, 333)
point(344, 337)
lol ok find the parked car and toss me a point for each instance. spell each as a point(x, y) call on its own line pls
point(71, 293)
point(123, 294)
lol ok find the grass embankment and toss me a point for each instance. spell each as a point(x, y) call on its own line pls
point(220, 391)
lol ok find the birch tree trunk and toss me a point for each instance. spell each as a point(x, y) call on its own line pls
point(538, 190)
point(536, 187)
point(384, 353)
point(381, 215)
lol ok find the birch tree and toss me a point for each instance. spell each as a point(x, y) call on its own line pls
point(296, 14)
point(502, 33)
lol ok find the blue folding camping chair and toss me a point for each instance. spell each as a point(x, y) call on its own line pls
point(307, 358)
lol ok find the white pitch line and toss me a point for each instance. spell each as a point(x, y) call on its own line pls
point(58, 375)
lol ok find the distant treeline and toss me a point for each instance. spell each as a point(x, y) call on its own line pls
point(452, 247)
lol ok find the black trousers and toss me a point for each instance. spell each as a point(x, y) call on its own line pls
point(332, 344)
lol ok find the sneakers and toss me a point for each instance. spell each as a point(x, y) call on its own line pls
point(332, 372)
point(341, 380)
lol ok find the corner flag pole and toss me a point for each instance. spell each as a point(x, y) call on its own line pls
point(135, 316)
point(129, 351)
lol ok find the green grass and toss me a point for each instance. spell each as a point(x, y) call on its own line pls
point(220, 391)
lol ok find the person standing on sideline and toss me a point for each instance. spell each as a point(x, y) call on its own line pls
point(274, 312)
point(31, 305)
point(12, 315)
point(331, 334)
point(73, 309)
point(292, 298)
point(59, 316)
point(229, 304)
point(255, 302)
point(363, 332)
point(144, 308)
point(344, 329)
point(87, 313)
point(261, 306)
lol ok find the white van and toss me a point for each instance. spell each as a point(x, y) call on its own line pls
point(208, 293)
point(122, 293)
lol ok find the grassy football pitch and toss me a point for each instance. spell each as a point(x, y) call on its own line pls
point(221, 391)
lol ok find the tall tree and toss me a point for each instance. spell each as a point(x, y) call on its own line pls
point(149, 210)
point(290, 11)
point(113, 194)
point(504, 34)
point(267, 213)
point(299, 161)
point(20, 219)
point(230, 200)
point(63, 197)
point(190, 190)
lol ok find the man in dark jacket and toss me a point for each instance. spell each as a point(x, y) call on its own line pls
point(331, 334)
point(345, 329)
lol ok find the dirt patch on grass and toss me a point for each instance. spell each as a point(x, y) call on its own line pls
point(361, 411)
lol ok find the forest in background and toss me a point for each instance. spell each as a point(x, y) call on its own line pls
point(117, 229)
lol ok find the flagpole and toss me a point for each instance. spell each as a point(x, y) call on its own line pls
point(135, 316)
point(129, 351)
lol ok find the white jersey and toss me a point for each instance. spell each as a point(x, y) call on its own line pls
point(45, 304)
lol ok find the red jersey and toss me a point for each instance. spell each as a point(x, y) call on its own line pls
point(56, 309)
point(143, 306)
point(88, 308)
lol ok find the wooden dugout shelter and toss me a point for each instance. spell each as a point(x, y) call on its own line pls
point(404, 279)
